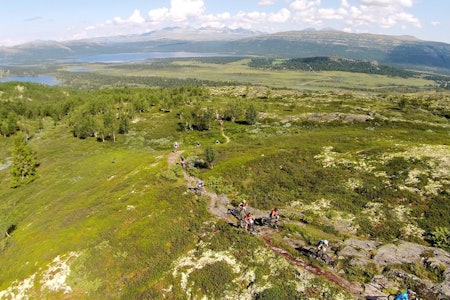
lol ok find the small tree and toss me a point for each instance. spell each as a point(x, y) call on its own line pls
point(9, 126)
point(24, 164)
point(234, 110)
point(251, 115)
point(210, 156)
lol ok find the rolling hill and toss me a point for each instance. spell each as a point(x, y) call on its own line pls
point(395, 50)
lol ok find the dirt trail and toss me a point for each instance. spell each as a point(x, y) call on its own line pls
point(218, 206)
point(355, 289)
point(227, 139)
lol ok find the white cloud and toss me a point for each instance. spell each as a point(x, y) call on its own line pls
point(435, 23)
point(332, 14)
point(382, 13)
point(158, 15)
point(301, 5)
point(345, 4)
point(181, 10)
point(266, 2)
point(403, 3)
point(281, 16)
point(354, 16)
point(306, 12)
point(135, 18)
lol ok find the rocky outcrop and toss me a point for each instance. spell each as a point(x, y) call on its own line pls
point(434, 260)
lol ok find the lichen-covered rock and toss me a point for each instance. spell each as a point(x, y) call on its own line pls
point(363, 252)
point(404, 252)
point(359, 248)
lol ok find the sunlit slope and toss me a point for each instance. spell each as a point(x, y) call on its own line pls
point(104, 202)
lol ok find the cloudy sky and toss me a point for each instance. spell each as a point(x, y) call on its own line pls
point(27, 20)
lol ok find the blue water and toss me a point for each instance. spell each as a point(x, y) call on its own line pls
point(42, 79)
point(107, 58)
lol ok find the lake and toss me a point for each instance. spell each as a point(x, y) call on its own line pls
point(42, 79)
point(107, 58)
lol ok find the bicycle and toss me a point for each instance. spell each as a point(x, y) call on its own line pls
point(390, 297)
point(321, 255)
point(251, 227)
point(196, 190)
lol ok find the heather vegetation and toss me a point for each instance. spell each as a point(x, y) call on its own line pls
point(89, 193)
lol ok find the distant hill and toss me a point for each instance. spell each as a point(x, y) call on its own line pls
point(323, 63)
point(399, 50)
point(395, 50)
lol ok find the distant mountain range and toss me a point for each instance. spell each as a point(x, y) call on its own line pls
point(404, 51)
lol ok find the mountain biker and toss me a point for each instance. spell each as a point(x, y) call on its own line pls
point(199, 184)
point(404, 295)
point(243, 205)
point(183, 162)
point(248, 222)
point(274, 216)
point(322, 247)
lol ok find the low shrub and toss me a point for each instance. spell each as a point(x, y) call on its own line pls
point(360, 273)
point(440, 237)
point(212, 280)
point(218, 186)
point(286, 291)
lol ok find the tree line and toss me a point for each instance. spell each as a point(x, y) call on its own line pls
point(316, 64)
point(102, 114)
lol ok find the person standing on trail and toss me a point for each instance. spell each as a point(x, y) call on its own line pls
point(183, 162)
point(175, 147)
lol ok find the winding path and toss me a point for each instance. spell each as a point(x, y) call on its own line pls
point(218, 206)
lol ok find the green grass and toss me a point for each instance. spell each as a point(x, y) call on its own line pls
point(238, 71)
point(129, 216)
point(94, 194)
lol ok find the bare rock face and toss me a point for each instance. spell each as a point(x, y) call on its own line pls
point(363, 252)
point(404, 252)
point(359, 248)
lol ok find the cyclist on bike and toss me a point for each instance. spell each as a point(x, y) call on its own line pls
point(274, 217)
point(243, 205)
point(199, 184)
point(200, 187)
point(248, 222)
point(322, 247)
point(404, 295)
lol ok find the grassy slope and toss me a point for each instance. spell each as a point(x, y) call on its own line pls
point(110, 202)
point(90, 194)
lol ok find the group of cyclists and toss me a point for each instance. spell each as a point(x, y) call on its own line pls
point(247, 221)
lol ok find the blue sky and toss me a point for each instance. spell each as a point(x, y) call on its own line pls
point(28, 20)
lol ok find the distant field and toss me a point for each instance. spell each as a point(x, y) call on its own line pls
point(238, 71)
